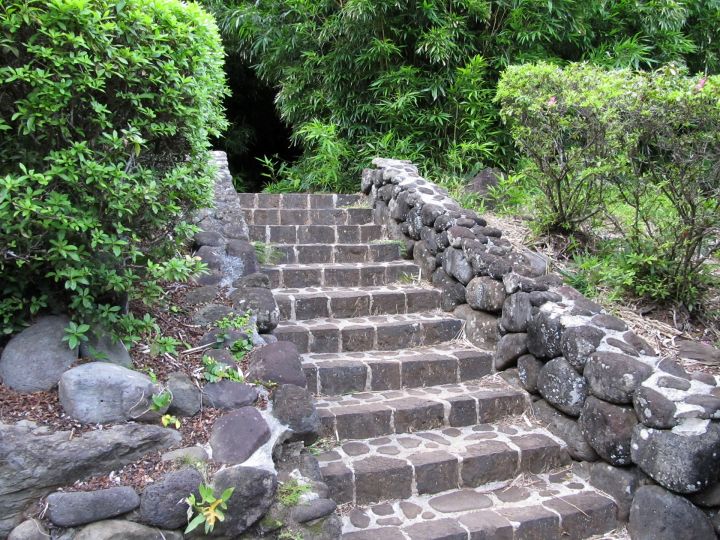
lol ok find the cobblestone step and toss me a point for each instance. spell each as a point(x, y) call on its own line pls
point(382, 332)
point(401, 466)
point(298, 200)
point(319, 216)
point(544, 506)
point(312, 234)
point(335, 253)
point(374, 414)
point(346, 302)
point(342, 373)
point(340, 274)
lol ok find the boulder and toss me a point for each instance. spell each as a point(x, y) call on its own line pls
point(80, 507)
point(486, 294)
point(544, 335)
point(254, 491)
point(186, 396)
point(453, 292)
point(685, 459)
point(608, 428)
point(277, 362)
point(30, 529)
point(657, 514)
point(509, 348)
point(98, 393)
point(34, 359)
point(295, 407)
point(480, 328)
point(562, 387)
point(528, 371)
point(456, 265)
point(118, 529)
point(226, 394)
point(708, 497)
point(100, 346)
point(578, 343)
point(201, 295)
point(566, 428)
point(516, 312)
point(614, 377)
point(246, 259)
point(311, 510)
point(424, 258)
point(33, 461)
point(654, 409)
point(211, 313)
point(261, 303)
point(162, 503)
point(189, 454)
point(620, 483)
point(237, 435)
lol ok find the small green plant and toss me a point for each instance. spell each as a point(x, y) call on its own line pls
point(208, 510)
point(234, 321)
point(150, 372)
point(290, 492)
point(240, 348)
point(215, 371)
point(409, 279)
point(161, 401)
point(170, 420)
point(291, 535)
point(402, 245)
point(266, 254)
point(320, 446)
point(164, 345)
point(75, 334)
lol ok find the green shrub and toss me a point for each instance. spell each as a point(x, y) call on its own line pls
point(634, 153)
point(105, 112)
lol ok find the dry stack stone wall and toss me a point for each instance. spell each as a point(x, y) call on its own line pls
point(597, 384)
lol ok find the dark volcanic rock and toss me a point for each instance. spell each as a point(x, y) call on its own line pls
point(657, 514)
point(295, 407)
point(237, 435)
point(278, 362)
point(509, 348)
point(226, 394)
point(162, 503)
point(453, 292)
point(653, 409)
point(261, 303)
point(251, 499)
point(615, 377)
point(486, 294)
point(528, 371)
point(578, 343)
point(685, 461)
point(516, 312)
point(544, 335)
point(608, 428)
point(34, 359)
point(562, 387)
point(619, 482)
point(81, 507)
point(35, 462)
point(566, 428)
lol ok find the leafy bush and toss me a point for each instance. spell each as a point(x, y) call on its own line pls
point(638, 152)
point(105, 110)
point(415, 80)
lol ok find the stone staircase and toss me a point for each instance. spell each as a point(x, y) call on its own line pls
point(428, 443)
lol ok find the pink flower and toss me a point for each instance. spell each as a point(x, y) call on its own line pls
point(699, 86)
point(552, 101)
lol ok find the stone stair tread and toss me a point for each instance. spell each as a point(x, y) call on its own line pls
point(340, 373)
point(349, 302)
point(372, 332)
point(340, 274)
point(296, 201)
point(555, 504)
point(373, 414)
point(325, 253)
point(400, 466)
point(311, 266)
point(304, 234)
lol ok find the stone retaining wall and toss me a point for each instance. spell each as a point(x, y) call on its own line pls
point(597, 384)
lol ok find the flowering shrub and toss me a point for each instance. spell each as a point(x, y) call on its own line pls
point(105, 112)
point(638, 153)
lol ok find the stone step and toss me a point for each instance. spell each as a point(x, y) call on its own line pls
point(342, 373)
point(320, 216)
point(294, 276)
point(542, 507)
point(346, 302)
point(374, 414)
point(313, 234)
point(382, 332)
point(402, 466)
point(334, 253)
point(298, 200)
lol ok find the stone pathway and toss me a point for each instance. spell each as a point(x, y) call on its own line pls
point(429, 444)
